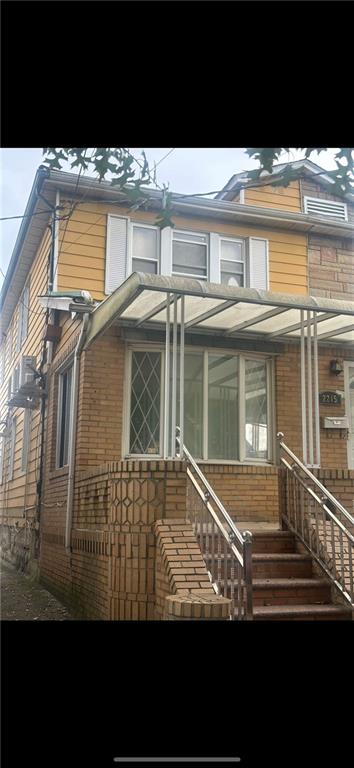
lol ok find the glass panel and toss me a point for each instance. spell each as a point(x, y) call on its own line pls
point(231, 251)
point(189, 257)
point(228, 278)
point(256, 417)
point(65, 409)
point(144, 243)
point(222, 407)
point(193, 402)
point(145, 403)
point(188, 236)
point(140, 265)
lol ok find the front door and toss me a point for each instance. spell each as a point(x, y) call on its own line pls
point(349, 408)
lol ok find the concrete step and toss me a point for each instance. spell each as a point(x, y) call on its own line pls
point(281, 565)
point(290, 591)
point(302, 613)
point(265, 541)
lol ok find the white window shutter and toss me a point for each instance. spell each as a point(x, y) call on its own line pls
point(116, 252)
point(258, 263)
point(166, 251)
point(214, 260)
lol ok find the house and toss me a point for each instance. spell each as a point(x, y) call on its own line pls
point(177, 405)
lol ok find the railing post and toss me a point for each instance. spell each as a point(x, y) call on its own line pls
point(247, 566)
point(280, 436)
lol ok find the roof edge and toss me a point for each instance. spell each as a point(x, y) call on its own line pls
point(41, 174)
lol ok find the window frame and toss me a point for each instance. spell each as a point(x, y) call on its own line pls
point(12, 448)
point(192, 242)
point(23, 317)
point(267, 358)
point(131, 225)
point(62, 371)
point(26, 439)
point(244, 262)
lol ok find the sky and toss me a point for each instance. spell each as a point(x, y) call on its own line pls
point(186, 170)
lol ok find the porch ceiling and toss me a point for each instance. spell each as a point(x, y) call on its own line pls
point(229, 312)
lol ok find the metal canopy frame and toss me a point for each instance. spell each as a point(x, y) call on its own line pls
point(136, 304)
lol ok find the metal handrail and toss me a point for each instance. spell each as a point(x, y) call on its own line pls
point(232, 539)
point(328, 539)
point(315, 480)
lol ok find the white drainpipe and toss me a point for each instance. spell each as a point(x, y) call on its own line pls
point(72, 446)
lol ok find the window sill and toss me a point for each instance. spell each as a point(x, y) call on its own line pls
point(59, 472)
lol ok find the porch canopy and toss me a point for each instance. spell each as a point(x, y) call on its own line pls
point(178, 305)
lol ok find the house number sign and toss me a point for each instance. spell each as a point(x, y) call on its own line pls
point(330, 398)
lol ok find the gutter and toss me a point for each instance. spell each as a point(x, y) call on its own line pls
point(72, 446)
point(189, 203)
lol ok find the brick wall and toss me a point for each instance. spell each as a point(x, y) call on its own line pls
point(248, 493)
point(288, 403)
point(183, 587)
point(110, 572)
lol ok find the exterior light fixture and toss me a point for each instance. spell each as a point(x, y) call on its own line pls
point(335, 367)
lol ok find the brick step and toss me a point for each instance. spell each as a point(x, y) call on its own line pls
point(302, 613)
point(288, 591)
point(266, 541)
point(281, 565)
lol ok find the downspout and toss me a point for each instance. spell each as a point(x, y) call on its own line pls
point(72, 446)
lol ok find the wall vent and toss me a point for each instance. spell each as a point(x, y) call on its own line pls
point(314, 206)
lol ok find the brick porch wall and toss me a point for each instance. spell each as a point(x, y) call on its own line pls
point(110, 573)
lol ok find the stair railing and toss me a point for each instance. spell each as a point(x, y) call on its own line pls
point(319, 520)
point(227, 551)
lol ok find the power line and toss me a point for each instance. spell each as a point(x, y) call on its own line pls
point(164, 157)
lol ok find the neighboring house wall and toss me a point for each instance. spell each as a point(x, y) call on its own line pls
point(284, 198)
point(18, 495)
point(82, 248)
point(331, 267)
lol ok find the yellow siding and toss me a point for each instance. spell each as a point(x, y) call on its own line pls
point(19, 493)
point(81, 263)
point(284, 198)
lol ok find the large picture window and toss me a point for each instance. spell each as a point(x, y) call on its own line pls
point(227, 405)
point(64, 416)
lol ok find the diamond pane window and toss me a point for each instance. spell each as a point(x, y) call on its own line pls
point(145, 403)
point(256, 417)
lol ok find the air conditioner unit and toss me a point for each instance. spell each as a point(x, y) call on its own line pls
point(27, 371)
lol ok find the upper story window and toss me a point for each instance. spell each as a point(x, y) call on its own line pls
point(145, 254)
point(213, 256)
point(23, 317)
point(189, 254)
point(232, 262)
point(315, 206)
